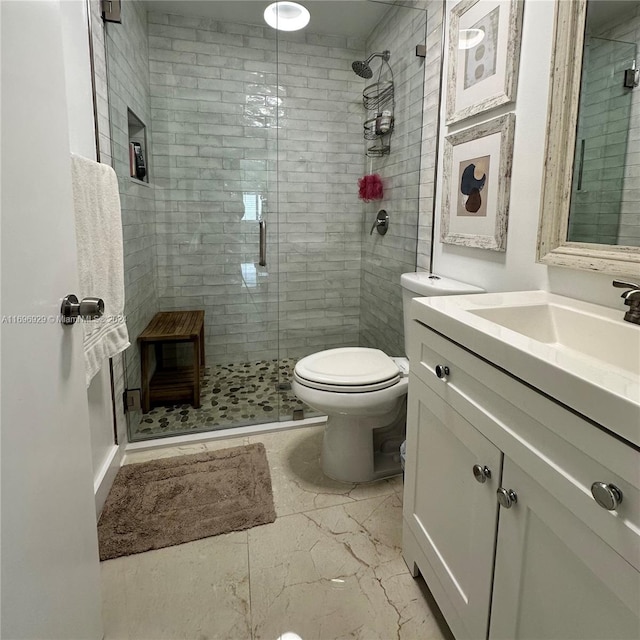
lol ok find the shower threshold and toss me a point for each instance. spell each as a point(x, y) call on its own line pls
point(231, 432)
point(232, 395)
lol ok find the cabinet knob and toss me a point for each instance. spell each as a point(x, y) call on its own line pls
point(507, 497)
point(442, 371)
point(608, 496)
point(480, 473)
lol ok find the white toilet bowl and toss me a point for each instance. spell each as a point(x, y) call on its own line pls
point(363, 392)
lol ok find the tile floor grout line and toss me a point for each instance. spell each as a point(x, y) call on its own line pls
point(393, 492)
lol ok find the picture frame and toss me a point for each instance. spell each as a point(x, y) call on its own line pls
point(482, 73)
point(476, 184)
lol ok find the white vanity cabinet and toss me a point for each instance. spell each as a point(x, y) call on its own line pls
point(554, 576)
point(453, 517)
point(550, 563)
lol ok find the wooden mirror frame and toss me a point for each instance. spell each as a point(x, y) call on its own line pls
point(566, 72)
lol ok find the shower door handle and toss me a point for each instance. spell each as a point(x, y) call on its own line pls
point(263, 243)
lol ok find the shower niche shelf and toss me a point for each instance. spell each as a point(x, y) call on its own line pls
point(138, 156)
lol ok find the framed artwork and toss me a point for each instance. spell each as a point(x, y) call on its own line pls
point(484, 52)
point(476, 182)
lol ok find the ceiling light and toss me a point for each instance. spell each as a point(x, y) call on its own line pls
point(469, 38)
point(286, 16)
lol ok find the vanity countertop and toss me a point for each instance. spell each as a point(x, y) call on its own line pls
point(580, 354)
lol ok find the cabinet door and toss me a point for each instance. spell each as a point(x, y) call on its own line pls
point(555, 578)
point(452, 516)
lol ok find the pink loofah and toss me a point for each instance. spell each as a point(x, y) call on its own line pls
point(370, 187)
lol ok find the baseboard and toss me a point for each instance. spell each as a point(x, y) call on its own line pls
point(105, 477)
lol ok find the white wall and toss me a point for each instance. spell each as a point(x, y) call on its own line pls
point(516, 268)
point(75, 37)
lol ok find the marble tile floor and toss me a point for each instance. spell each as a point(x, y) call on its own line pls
point(232, 394)
point(330, 566)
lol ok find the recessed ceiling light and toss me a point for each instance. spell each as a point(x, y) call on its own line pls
point(286, 16)
point(469, 38)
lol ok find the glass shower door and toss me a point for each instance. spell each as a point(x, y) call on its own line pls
point(203, 109)
point(339, 281)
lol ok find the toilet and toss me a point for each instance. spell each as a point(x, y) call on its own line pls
point(363, 392)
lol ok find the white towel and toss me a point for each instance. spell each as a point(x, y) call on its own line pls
point(100, 259)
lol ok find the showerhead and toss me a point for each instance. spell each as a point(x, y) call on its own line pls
point(362, 68)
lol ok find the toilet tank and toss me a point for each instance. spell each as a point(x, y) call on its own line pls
point(423, 284)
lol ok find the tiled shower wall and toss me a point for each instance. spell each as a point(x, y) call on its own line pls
point(128, 69)
point(340, 141)
point(222, 128)
point(102, 107)
point(385, 258)
point(606, 208)
point(430, 120)
point(601, 145)
point(628, 30)
point(319, 163)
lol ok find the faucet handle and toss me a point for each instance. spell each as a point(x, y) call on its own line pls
point(625, 285)
point(632, 299)
point(632, 290)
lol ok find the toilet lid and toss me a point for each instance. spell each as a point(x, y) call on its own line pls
point(348, 367)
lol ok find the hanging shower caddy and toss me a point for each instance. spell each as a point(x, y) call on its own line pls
point(379, 101)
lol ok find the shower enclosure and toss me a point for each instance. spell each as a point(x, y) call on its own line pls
point(252, 141)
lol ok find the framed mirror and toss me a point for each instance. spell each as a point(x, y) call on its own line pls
point(590, 216)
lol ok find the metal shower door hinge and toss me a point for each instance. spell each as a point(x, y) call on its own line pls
point(111, 10)
point(132, 400)
point(631, 78)
point(421, 50)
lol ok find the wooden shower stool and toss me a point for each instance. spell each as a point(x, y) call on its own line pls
point(172, 385)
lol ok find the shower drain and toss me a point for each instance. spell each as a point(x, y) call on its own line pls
point(283, 386)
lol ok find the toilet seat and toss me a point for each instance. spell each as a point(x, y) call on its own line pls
point(348, 370)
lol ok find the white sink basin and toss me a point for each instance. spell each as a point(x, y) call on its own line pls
point(609, 340)
point(583, 355)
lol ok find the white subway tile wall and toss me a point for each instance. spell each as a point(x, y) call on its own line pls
point(225, 126)
point(430, 112)
point(605, 208)
point(128, 77)
point(628, 30)
point(385, 258)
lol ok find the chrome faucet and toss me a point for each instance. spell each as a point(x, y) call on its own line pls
point(631, 299)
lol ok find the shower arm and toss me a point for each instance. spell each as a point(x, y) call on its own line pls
point(384, 55)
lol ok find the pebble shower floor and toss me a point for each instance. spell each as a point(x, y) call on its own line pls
point(232, 395)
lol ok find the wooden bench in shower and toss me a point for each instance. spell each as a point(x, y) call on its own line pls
point(169, 386)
